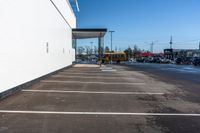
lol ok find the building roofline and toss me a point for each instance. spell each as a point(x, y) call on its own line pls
point(90, 29)
point(85, 33)
point(70, 6)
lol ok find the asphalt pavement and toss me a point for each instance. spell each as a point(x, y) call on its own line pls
point(133, 98)
point(185, 77)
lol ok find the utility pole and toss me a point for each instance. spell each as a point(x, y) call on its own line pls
point(151, 47)
point(171, 42)
point(111, 32)
point(199, 45)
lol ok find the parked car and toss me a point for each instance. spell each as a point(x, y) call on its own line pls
point(149, 59)
point(157, 60)
point(196, 61)
point(141, 60)
point(187, 60)
point(166, 61)
point(179, 60)
point(132, 60)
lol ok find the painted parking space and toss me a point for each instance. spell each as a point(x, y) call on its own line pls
point(87, 100)
point(82, 102)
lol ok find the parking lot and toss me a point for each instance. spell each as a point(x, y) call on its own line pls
point(111, 99)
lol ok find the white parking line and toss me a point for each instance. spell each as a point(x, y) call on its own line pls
point(90, 77)
point(111, 83)
point(94, 92)
point(108, 70)
point(98, 113)
point(98, 71)
point(101, 73)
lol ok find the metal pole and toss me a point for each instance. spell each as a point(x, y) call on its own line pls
point(199, 45)
point(171, 42)
point(111, 32)
point(151, 49)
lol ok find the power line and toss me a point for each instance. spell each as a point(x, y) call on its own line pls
point(118, 39)
point(189, 41)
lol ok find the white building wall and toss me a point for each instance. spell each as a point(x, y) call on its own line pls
point(26, 27)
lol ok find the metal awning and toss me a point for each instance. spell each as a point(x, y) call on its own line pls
point(81, 33)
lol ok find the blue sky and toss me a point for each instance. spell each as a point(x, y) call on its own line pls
point(143, 21)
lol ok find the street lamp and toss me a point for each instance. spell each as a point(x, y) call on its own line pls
point(111, 32)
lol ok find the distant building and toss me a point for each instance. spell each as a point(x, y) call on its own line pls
point(176, 53)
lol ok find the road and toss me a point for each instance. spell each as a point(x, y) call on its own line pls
point(134, 98)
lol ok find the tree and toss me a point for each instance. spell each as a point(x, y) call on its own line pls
point(95, 50)
point(135, 48)
point(115, 48)
point(88, 51)
point(136, 51)
point(107, 50)
point(80, 50)
point(129, 53)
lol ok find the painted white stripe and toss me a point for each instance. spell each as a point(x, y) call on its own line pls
point(112, 83)
point(106, 68)
point(91, 77)
point(93, 74)
point(95, 92)
point(97, 113)
point(83, 71)
point(109, 70)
